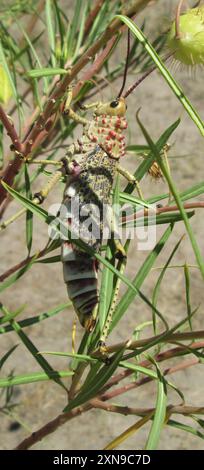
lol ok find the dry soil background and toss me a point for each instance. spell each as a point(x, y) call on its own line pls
point(43, 286)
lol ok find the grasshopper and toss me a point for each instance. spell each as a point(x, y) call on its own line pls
point(91, 181)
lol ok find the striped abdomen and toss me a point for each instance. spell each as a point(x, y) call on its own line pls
point(80, 275)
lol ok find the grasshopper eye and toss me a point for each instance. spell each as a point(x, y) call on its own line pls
point(114, 103)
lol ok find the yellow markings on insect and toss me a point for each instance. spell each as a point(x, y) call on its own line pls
point(188, 46)
point(116, 107)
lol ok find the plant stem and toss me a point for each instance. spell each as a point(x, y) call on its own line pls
point(63, 418)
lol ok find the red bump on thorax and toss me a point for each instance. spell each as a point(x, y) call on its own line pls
point(112, 134)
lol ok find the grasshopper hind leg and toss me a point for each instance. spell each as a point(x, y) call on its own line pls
point(109, 318)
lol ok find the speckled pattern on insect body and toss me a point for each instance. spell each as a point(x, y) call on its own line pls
point(95, 159)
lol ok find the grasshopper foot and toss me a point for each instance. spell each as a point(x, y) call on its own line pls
point(120, 251)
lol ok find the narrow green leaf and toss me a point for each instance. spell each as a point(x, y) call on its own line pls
point(193, 191)
point(188, 297)
point(33, 350)
point(101, 21)
point(159, 415)
point(50, 260)
point(189, 193)
point(50, 30)
point(14, 277)
point(81, 32)
point(35, 55)
point(45, 72)
point(7, 355)
point(140, 149)
point(158, 284)
point(165, 218)
point(36, 319)
point(34, 377)
point(185, 427)
point(137, 368)
point(11, 315)
point(76, 20)
point(80, 357)
point(59, 20)
point(29, 215)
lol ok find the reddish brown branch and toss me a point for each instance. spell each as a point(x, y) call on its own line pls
point(92, 15)
point(50, 427)
point(169, 338)
point(9, 126)
point(98, 63)
point(161, 210)
point(22, 264)
point(127, 410)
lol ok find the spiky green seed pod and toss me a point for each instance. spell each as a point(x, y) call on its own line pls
point(188, 48)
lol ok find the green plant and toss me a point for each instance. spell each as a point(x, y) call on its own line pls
point(40, 81)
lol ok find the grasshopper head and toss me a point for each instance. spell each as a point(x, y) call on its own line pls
point(116, 107)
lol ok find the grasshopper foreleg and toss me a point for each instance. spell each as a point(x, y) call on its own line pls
point(68, 111)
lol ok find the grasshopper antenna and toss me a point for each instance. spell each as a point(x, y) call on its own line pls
point(145, 75)
point(126, 66)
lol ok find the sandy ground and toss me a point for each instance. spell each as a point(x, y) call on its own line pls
point(43, 287)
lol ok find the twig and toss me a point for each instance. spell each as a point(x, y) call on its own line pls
point(92, 15)
point(22, 263)
point(9, 126)
point(177, 20)
point(32, 22)
point(63, 418)
point(161, 210)
point(127, 410)
point(52, 426)
point(96, 66)
point(169, 338)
